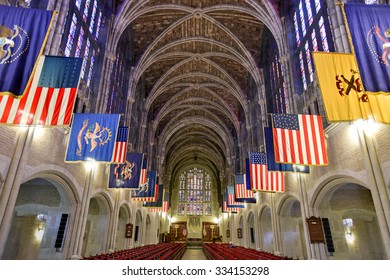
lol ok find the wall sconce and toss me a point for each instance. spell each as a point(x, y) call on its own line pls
point(348, 224)
point(41, 221)
point(350, 238)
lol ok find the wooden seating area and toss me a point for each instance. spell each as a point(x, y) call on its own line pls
point(223, 251)
point(162, 251)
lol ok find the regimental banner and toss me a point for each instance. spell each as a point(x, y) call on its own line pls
point(127, 174)
point(147, 191)
point(369, 27)
point(49, 99)
point(341, 87)
point(159, 201)
point(92, 137)
point(23, 34)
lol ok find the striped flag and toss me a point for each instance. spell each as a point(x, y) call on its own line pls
point(261, 178)
point(274, 166)
point(231, 202)
point(242, 194)
point(144, 169)
point(299, 139)
point(166, 202)
point(50, 97)
point(225, 208)
point(120, 149)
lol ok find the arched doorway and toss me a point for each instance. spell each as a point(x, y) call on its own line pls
point(148, 231)
point(292, 229)
point(241, 233)
point(251, 228)
point(138, 229)
point(353, 223)
point(96, 228)
point(266, 230)
point(120, 242)
point(35, 226)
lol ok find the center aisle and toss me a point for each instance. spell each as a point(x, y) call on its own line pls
point(194, 254)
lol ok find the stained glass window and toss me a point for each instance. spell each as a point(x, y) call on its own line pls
point(83, 31)
point(324, 40)
point(79, 43)
point(309, 13)
point(302, 19)
point(312, 33)
point(194, 193)
point(71, 35)
point(297, 36)
point(86, 10)
point(78, 4)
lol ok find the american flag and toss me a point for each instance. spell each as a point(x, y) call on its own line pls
point(299, 139)
point(144, 169)
point(166, 202)
point(50, 97)
point(227, 209)
point(120, 149)
point(240, 189)
point(231, 202)
point(261, 178)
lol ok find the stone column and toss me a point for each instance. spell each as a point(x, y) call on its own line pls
point(12, 183)
point(83, 215)
point(379, 191)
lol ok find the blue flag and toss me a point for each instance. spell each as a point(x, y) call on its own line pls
point(159, 201)
point(370, 33)
point(23, 33)
point(147, 190)
point(272, 164)
point(127, 174)
point(92, 137)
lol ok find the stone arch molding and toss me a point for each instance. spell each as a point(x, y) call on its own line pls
point(61, 178)
point(331, 180)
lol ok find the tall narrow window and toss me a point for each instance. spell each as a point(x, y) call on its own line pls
point(80, 37)
point(312, 33)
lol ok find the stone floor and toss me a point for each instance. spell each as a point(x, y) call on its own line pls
point(194, 253)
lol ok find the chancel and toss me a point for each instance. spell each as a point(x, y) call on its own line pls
point(194, 130)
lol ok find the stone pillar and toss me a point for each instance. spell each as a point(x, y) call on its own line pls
point(83, 215)
point(379, 191)
point(12, 183)
point(305, 214)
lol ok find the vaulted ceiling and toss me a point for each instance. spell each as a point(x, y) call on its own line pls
point(194, 60)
